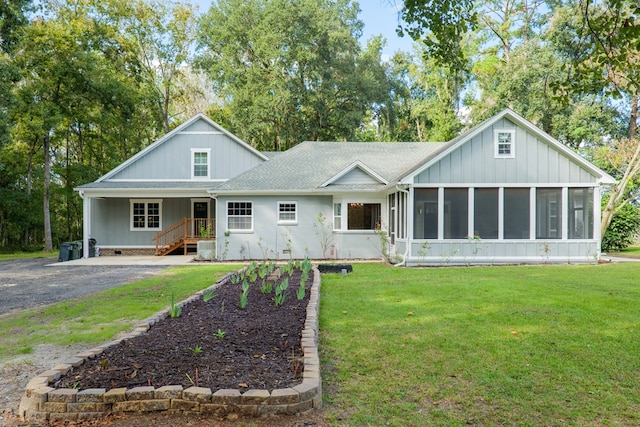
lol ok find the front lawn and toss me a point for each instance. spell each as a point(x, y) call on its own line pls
point(520, 345)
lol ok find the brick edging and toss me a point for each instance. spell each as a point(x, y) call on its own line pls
point(40, 402)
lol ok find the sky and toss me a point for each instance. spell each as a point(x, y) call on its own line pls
point(379, 17)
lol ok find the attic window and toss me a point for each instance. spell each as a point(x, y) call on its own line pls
point(200, 163)
point(504, 143)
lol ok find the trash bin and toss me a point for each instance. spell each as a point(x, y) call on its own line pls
point(76, 250)
point(65, 251)
point(92, 248)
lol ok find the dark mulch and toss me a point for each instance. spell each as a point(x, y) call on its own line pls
point(260, 348)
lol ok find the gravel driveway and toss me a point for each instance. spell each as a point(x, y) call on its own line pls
point(27, 283)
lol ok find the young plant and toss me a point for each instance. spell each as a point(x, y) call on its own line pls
point(301, 291)
point(196, 350)
point(175, 310)
point(235, 278)
point(220, 333)
point(266, 287)
point(262, 270)
point(244, 296)
point(208, 295)
point(280, 296)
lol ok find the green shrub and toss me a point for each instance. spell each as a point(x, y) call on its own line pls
point(623, 229)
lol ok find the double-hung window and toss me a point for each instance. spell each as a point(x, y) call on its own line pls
point(200, 158)
point(145, 215)
point(287, 212)
point(504, 143)
point(240, 216)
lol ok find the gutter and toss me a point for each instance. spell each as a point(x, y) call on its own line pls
point(406, 249)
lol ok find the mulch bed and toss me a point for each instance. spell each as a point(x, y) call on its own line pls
point(260, 348)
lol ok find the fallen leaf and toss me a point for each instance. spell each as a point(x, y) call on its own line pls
point(245, 385)
point(410, 313)
point(514, 332)
point(133, 374)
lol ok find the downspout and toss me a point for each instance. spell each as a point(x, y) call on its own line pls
point(85, 237)
point(406, 249)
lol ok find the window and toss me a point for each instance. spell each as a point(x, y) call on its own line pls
point(580, 213)
point(363, 216)
point(504, 143)
point(287, 212)
point(337, 216)
point(145, 215)
point(548, 213)
point(200, 163)
point(485, 213)
point(425, 216)
point(516, 213)
point(456, 213)
point(240, 216)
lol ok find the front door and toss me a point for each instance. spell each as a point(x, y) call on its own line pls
point(200, 214)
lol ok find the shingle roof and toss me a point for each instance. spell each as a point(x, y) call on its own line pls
point(307, 166)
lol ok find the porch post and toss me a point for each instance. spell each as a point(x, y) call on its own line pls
point(597, 219)
point(86, 224)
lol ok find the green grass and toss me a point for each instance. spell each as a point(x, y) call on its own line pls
point(99, 317)
point(22, 255)
point(526, 345)
point(630, 251)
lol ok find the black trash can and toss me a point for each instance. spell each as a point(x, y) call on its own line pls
point(76, 250)
point(65, 251)
point(92, 248)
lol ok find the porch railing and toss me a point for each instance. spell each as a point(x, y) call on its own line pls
point(183, 232)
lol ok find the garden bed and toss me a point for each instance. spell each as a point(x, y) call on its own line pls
point(213, 357)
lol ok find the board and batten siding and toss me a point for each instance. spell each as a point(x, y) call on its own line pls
point(172, 159)
point(535, 162)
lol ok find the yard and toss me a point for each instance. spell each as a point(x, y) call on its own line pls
point(517, 345)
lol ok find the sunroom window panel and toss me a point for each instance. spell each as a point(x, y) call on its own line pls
point(516, 213)
point(425, 215)
point(549, 213)
point(580, 213)
point(485, 213)
point(456, 213)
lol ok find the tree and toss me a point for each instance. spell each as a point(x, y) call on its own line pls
point(288, 71)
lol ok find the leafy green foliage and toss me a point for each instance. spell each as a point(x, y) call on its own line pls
point(623, 230)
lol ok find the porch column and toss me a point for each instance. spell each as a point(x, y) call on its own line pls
point(86, 225)
point(597, 219)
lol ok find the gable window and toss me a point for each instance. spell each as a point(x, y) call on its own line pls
point(504, 143)
point(287, 212)
point(363, 216)
point(200, 163)
point(240, 216)
point(145, 215)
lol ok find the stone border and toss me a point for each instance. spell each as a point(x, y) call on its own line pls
point(41, 402)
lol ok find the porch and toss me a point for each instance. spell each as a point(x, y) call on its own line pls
point(184, 234)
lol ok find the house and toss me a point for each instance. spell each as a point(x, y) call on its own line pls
point(503, 192)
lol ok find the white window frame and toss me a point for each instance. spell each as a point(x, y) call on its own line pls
point(195, 151)
point(497, 144)
point(337, 216)
point(146, 203)
point(239, 230)
point(285, 220)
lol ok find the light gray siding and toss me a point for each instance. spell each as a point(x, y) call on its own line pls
point(356, 176)
point(269, 239)
point(172, 160)
point(535, 162)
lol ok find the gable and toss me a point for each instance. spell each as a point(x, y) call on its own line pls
point(170, 158)
point(536, 159)
point(356, 174)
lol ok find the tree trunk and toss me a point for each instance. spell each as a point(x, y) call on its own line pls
point(633, 120)
point(48, 245)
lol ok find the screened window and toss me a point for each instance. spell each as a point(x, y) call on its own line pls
point(145, 215)
point(504, 143)
point(363, 216)
point(239, 216)
point(425, 216)
point(485, 213)
point(456, 213)
point(200, 168)
point(337, 216)
point(548, 213)
point(287, 212)
point(516, 213)
point(580, 213)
